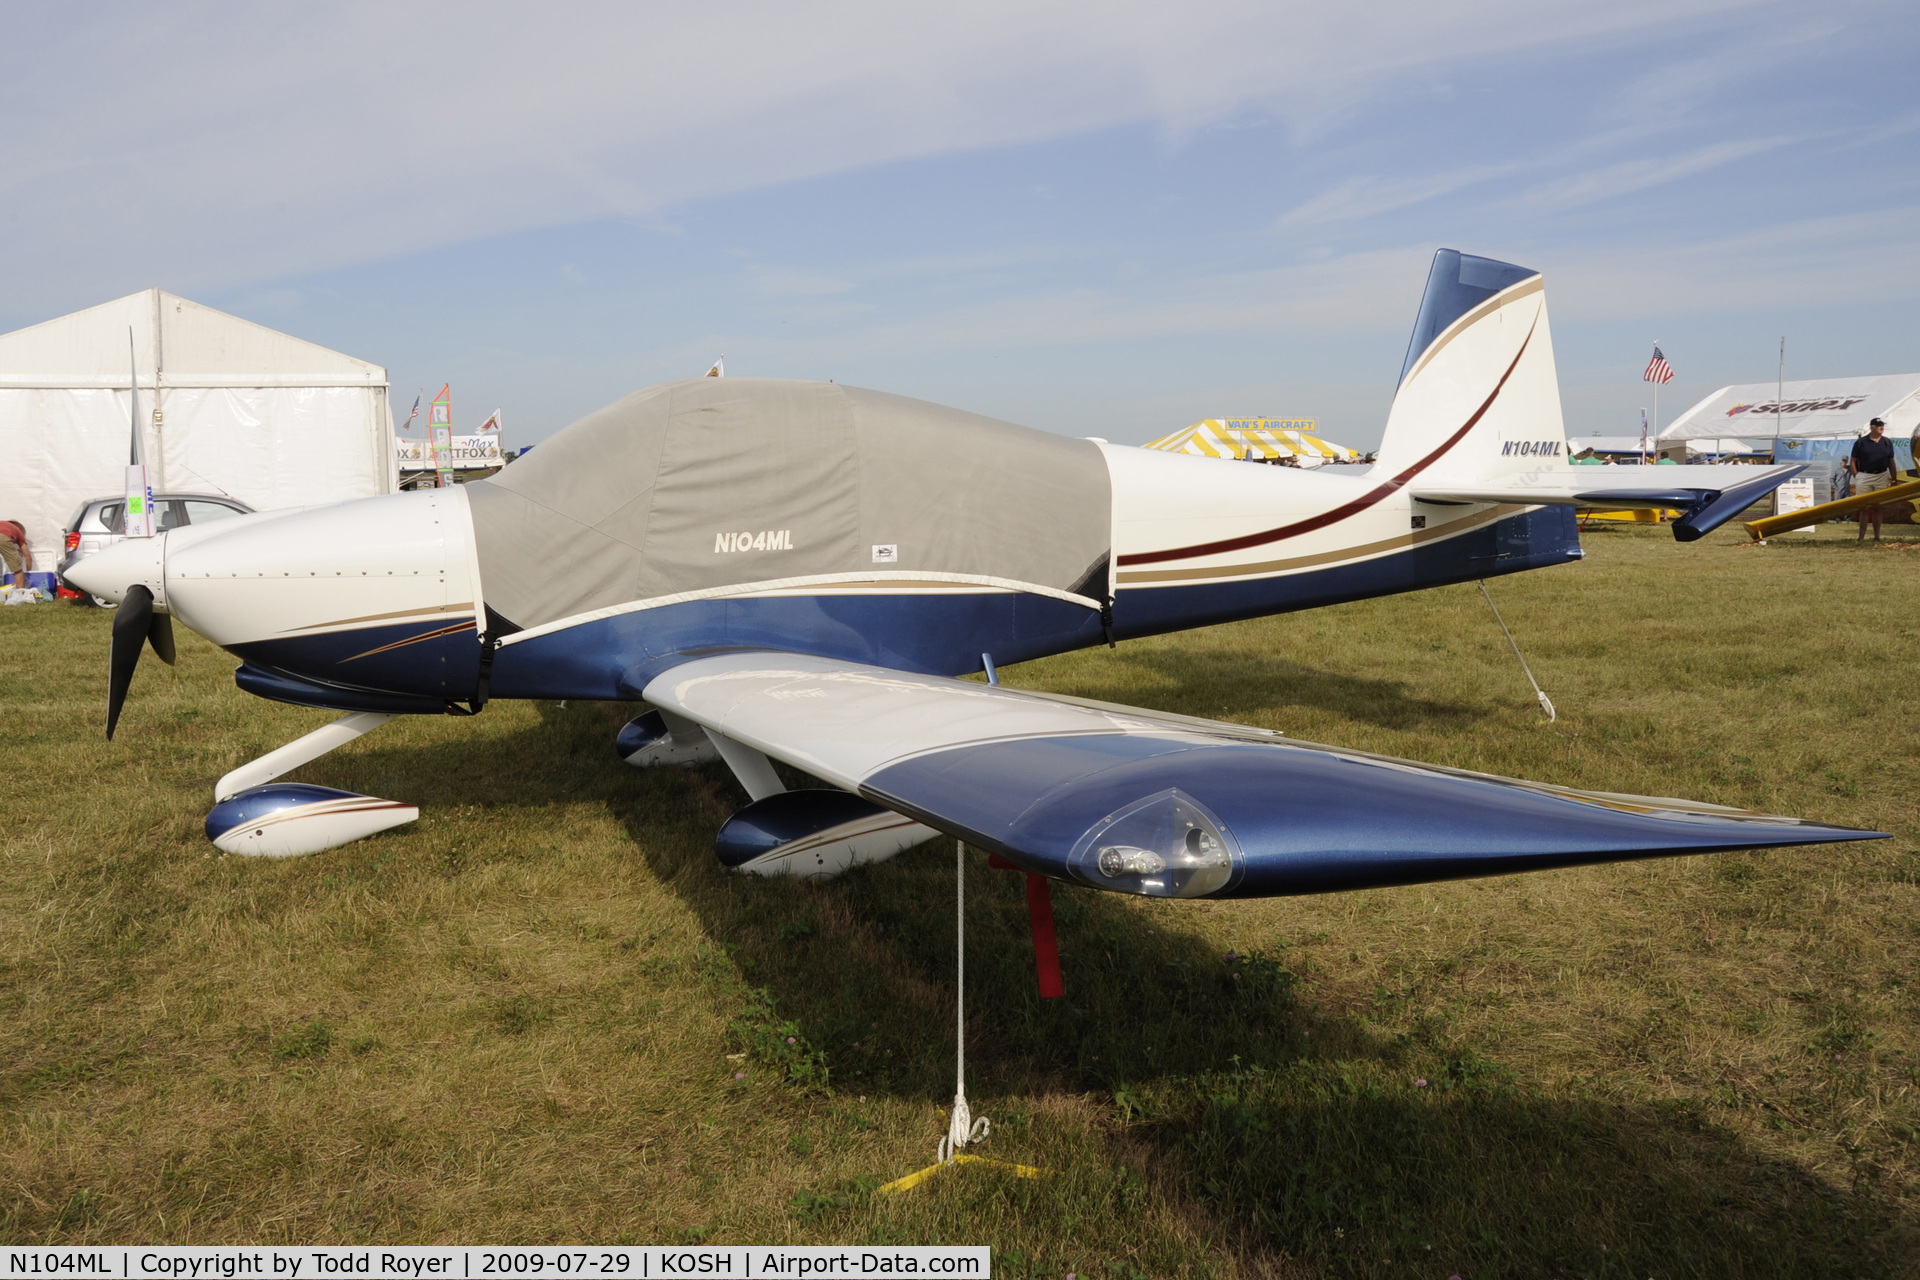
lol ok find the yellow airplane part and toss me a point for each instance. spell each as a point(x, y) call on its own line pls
point(1910, 490)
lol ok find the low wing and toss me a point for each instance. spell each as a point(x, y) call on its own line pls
point(1709, 496)
point(1170, 806)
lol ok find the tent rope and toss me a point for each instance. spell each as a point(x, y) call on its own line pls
point(1546, 703)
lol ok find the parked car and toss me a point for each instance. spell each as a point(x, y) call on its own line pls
point(101, 522)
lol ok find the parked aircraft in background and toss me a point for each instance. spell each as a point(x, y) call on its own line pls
point(798, 571)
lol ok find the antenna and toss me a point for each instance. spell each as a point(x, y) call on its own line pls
point(133, 390)
point(136, 518)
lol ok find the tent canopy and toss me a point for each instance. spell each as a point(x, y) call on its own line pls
point(1254, 438)
point(1808, 409)
point(174, 339)
point(226, 407)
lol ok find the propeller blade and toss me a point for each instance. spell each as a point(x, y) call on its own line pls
point(160, 636)
point(132, 623)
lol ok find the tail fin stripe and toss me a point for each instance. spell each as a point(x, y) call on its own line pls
point(1339, 513)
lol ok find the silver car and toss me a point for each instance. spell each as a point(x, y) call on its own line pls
point(101, 522)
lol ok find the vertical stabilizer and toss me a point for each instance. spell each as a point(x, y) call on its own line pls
point(1478, 394)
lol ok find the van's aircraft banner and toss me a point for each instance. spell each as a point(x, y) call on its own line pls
point(1253, 438)
point(1808, 409)
point(494, 1262)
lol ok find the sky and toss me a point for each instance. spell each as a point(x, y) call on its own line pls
point(1109, 220)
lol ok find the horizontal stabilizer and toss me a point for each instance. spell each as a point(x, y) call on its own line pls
point(1708, 496)
point(1172, 807)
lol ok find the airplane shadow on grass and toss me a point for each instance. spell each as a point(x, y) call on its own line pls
point(1298, 1131)
point(1293, 1132)
point(1226, 684)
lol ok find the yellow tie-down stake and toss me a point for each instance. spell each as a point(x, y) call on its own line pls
point(913, 1180)
point(1909, 490)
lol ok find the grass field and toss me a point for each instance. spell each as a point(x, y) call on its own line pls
point(542, 1013)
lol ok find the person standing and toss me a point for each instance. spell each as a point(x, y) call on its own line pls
point(16, 555)
point(1871, 466)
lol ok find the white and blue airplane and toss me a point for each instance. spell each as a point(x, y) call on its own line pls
point(800, 571)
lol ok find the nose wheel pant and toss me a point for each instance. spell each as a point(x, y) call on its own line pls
point(254, 815)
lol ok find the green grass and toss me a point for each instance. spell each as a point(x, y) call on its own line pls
point(521, 1018)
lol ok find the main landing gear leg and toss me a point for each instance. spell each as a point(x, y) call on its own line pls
point(253, 815)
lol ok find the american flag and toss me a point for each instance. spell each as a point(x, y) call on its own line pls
point(1658, 370)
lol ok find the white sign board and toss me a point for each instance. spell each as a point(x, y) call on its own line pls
point(470, 453)
point(1794, 495)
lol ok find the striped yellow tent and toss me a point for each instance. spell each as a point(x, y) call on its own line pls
point(1255, 438)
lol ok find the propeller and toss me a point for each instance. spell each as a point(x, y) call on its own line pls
point(134, 622)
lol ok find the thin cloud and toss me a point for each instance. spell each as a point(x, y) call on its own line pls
point(1815, 262)
point(1855, 258)
point(1630, 176)
point(220, 143)
point(1359, 198)
point(789, 283)
point(1361, 292)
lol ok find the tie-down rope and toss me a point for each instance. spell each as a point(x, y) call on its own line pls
point(1546, 703)
point(962, 1128)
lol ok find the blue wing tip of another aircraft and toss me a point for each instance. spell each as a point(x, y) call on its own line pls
point(1707, 517)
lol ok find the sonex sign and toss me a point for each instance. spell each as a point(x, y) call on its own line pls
point(1812, 404)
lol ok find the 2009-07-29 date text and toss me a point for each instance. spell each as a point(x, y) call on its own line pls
point(536, 1263)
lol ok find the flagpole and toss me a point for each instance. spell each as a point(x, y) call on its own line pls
point(1779, 389)
point(1656, 399)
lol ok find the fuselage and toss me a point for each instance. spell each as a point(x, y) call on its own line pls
point(382, 603)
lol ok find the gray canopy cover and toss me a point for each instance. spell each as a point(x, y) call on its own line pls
point(715, 483)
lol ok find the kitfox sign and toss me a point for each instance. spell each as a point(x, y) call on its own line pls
point(468, 453)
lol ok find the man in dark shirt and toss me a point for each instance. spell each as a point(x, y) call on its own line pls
point(1872, 469)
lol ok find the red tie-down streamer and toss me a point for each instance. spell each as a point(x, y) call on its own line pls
point(1046, 947)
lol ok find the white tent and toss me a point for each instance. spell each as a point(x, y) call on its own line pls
point(226, 407)
point(1808, 409)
